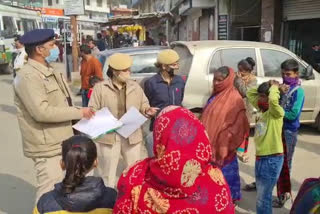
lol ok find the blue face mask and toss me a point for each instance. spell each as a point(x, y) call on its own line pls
point(54, 54)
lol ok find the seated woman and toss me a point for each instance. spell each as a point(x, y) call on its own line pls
point(226, 122)
point(78, 192)
point(180, 178)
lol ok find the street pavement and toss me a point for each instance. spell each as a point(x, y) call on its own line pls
point(17, 178)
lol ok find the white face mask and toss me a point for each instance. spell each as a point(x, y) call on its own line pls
point(123, 77)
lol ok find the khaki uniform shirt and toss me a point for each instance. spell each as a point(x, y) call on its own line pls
point(44, 114)
point(121, 96)
point(106, 95)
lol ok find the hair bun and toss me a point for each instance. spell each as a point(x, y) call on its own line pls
point(251, 61)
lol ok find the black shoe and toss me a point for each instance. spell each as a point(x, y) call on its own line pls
point(250, 187)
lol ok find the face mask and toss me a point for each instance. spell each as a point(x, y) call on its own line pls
point(54, 54)
point(171, 72)
point(123, 77)
point(291, 81)
point(263, 106)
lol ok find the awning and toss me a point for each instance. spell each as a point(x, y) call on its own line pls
point(141, 19)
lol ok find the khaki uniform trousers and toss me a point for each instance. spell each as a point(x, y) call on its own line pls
point(108, 158)
point(48, 173)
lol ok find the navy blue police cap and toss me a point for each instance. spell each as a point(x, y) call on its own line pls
point(37, 36)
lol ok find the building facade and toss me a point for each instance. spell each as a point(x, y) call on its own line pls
point(290, 23)
point(300, 28)
point(153, 6)
point(96, 10)
point(194, 20)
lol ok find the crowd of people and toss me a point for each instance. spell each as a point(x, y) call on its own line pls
point(193, 162)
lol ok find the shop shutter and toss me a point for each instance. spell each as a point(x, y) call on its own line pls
point(301, 9)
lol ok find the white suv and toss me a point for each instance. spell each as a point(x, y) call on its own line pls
point(198, 57)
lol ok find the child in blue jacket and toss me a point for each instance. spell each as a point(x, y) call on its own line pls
point(292, 101)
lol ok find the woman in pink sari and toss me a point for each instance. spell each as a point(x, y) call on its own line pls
point(180, 178)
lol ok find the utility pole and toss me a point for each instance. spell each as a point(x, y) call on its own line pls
point(74, 32)
point(167, 9)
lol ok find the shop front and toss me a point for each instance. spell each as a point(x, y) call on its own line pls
point(301, 27)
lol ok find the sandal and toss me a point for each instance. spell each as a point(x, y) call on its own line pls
point(250, 187)
point(280, 202)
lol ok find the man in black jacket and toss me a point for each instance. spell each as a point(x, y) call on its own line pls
point(165, 88)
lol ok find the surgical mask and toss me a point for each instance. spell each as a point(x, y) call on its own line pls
point(263, 106)
point(54, 54)
point(123, 77)
point(291, 81)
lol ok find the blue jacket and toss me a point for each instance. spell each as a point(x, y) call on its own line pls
point(160, 94)
point(92, 196)
point(293, 108)
point(101, 45)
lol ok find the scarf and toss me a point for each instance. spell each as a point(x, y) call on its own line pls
point(248, 78)
point(180, 178)
point(226, 121)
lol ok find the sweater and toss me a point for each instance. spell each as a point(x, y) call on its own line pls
point(268, 132)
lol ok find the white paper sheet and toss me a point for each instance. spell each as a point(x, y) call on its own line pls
point(102, 123)
point(132, 120)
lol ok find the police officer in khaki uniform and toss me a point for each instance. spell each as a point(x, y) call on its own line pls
point(45, 109)
point(118, 94)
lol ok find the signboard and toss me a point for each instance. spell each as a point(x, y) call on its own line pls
point(73, 7)
point(52, 11)
point(50, 19)
point(223, 27)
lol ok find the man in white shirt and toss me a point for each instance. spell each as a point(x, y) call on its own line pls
point(21, 57)
point(94, 49)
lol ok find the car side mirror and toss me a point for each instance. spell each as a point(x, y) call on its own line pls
point(309, 73)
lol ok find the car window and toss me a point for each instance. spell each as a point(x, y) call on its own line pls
point(231, 57)
point(215, 62)
point(272, 60)
point(28, 25)
point(144, 63)
point(185, 59)
point(19, 25)
point(9, 29)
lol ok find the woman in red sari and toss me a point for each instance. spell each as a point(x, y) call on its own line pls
point(180, 178)
point(226, 122)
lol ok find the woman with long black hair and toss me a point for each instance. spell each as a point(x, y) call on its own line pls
point(78, 192)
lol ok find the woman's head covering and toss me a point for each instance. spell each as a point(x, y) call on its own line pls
point(225, 121)
point(227, 83)
point(180, 178)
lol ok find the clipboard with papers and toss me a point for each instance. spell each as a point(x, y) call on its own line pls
point(104, 122)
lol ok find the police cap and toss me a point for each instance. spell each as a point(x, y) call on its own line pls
point(37, 36)
point(120, 61)
point(167, 57)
